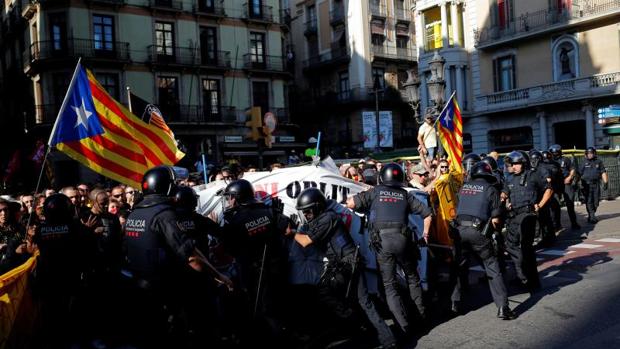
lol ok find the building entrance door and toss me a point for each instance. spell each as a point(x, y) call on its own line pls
point(570, 134)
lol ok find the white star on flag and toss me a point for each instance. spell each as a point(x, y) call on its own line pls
point(82, 115)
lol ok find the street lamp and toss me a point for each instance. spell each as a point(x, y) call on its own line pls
point(437, 84)
point(412, 90)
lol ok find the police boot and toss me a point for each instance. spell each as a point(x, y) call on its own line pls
point(575, 226)
point(505, 313)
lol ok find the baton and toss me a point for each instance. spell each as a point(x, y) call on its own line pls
point(260, 279)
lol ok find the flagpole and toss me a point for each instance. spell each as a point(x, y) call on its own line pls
point(64, 101)
point(129, 99)
point(36, 190)
point(444, 108)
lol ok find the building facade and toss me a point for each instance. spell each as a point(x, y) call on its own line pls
point(203, 62)
point(346, 50)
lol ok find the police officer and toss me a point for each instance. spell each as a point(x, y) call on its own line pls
point(592, 171)
point(545, 171)
point(499, 175)
point(557, 184)
point(59, 239)
point(159, 254)
point(524, 201)
point(568, 173)
point(253, 233)
point(469, 161)
point(390, 206)
point(341, 278)
point(478, 214)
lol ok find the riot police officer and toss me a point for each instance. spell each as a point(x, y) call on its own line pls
point(341, 278)
point(469, 161)
point(390, 206)
point(524, 200)
point(499, 175)
point(568, 173)
point(545, 171)
point(592, 171)
point(159, 255)
point(253, 233)
point(478, 214)
point(557, 184)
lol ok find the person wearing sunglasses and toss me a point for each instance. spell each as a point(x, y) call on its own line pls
point(341, 279)
point(390, 206)
point(420, 178)
point(130, 196)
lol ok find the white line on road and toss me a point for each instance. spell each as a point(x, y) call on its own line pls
point(590, 246)
point(556, 252)
point(608, 240)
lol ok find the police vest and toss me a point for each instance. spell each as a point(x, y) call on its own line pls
point(565, 164)
point(57, 244)
point(522, 194)
point(341, 243)
point(254, 226)
point(145, 250)
point(557, 179)
point(390, 208)
point(591, 170)
point(473, 199)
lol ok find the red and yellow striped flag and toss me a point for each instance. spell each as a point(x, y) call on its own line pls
point(451, 133)
point(102, 134)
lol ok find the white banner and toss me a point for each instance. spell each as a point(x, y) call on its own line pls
point(369, 127)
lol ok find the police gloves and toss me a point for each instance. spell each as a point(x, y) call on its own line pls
point(294, 219)
point(605, 185)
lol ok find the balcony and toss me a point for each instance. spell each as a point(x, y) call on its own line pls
point(547, 21)
point(167, 5)
point(402, 14)
point(29, 8)
point(258, 14)
point(196, 114)
point(265, 64)
point(113, 3)
point(310, 27)
point(594, 86)
point(60, 51)
point(215, 11)
point(378, 10)
point(336, 56)
point(393, 53)
point(336, 16)
point(285, 18)
point(357, 95)
point(188, 56)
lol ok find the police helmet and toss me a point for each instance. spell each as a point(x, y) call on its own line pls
point(482, 170)
point(546, 155)
point(470, 160)
point(556, 151)
point(392, 175)
point(57, 208)
point(491, 162)
point(311, 199)
point(186, 197)
point(535, 157)
point(517, 157)
point(591, 150)
point(159, 180)
point(241, 190)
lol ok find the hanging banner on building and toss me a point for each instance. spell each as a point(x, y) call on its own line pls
point(369, 127)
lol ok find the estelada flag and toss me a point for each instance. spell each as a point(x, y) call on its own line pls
point(451, 133)
point(99, 132)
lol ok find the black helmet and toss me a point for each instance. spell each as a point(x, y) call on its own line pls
point(470, 160)
point(491, 162)
point(241, 190)
point(186, 197)
point(556, 151)
point(482, 170)
point(392, 174)
point(591, 150)
point(57, 208)
point(517, 157)
point(535, 157)
point(159, 180)
point(311, 199)
point(546, 155)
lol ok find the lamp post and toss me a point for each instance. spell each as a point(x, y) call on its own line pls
point(412, 90)
point(376, 90)
point(437, 84)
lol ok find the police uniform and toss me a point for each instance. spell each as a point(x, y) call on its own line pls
point(547, 229)
point(567, 193)
point(478, 203)
point(591, 171)
point(388, 222)
point(523, 190)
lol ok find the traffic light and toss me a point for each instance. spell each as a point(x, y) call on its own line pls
point(268, 136)
point(255, 123)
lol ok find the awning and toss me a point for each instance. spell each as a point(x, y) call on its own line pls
point(377, 27)
point(612, 130)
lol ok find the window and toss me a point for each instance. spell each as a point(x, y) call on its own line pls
point(207, 5)
point(503, 13)
point(103, 32)
point(311, 13)
point(313, 46)
point(211, 97)
point(58, 31)
point(378, 74)
point(504, 73)
point(168, 96)
point(109, 81)
point(506, 140)
point(164, 38)
point(60, 82)
point(402, 41)
point(257, 49)
point(377, 39)
point(432, 30)
point(256, 8)
point(208, 45)
point(260, 95)
point(343, 86)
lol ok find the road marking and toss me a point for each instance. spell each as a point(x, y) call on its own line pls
point(608, 240)
point(590, 246)
point(556, 252)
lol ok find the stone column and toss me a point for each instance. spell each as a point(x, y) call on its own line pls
point(449, 82)
point(444, 25)
point(542, 124)
point(423, 93)
point(587, 109)
point(460, 85)
point(454, 18)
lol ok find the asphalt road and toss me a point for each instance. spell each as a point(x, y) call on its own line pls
point(577, 307)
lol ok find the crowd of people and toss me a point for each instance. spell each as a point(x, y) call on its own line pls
point(124, 266)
